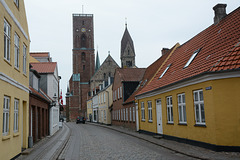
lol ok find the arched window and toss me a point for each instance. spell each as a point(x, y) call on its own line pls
point(83, 56)
point(83, 41)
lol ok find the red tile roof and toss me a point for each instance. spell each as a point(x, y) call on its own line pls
point(39, 54)
point(230, 61)
point(217, 53)
point(44, 67)
point(33, 91)
point(130, 74)
point(150, 72)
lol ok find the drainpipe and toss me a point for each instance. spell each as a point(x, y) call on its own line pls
point(108, 106)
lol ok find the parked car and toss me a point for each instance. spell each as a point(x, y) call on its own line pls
point(80, 120)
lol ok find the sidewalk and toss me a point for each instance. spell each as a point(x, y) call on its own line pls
point(49, 147)
point(182, 148)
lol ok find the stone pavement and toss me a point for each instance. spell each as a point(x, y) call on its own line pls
point(181, 148)
point(49, 147)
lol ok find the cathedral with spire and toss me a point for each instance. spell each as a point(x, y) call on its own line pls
point(88, 74)
point(127, 51)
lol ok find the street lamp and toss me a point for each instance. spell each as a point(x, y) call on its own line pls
point(54, 100)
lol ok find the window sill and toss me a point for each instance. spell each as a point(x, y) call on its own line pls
point(143, 120)
point(16, 134)
point(171, 123)
point(8, 62)
point(182, 124)
point(17, 69)
point(200, 125)
point(150, 121)
point(4, 138)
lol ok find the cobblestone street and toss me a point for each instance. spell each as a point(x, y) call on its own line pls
point(93, 142)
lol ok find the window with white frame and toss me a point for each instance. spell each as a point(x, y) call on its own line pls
point(199, 107)
point(142, 111)
point(16, 113)
point(7, 40)
point(121, 114)
point(17, 3)
point(6, 110)
point(115, 95)
point(133, 114)
point(150, 111)
point(182, 108)
point(24, 59)
point(126, 114)
point(16, 50)
point(169, 109)
point(130, 114)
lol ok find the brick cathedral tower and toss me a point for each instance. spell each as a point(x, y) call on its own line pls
point(127, 50)
point(83, 64)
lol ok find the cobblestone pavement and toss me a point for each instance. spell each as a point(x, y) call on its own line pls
point(48, 148)
point(92, 142)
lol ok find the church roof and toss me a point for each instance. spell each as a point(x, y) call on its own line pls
point(97, 66)
point(125, 40)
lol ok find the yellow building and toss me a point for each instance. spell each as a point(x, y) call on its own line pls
point(194, 96)
point(104, 104)
point(14, 78)
point(89, 110)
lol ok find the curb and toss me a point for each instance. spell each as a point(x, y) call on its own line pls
point(169, 148)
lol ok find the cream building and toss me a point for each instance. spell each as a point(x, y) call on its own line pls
point(14, 78)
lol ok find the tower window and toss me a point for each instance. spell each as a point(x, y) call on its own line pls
point(83, 41)
point(84, 67)
point(128, 51)
point(83, 56)
point(82, 22)
point(129, 63)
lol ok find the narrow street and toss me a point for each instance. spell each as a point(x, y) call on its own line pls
point(92, 142)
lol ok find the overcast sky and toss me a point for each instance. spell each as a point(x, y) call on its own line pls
point(152, 24)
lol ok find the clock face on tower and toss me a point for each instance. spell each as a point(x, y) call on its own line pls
point(83, 29)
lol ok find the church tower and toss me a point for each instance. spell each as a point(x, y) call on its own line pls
point(127, 51)
point(83, 58)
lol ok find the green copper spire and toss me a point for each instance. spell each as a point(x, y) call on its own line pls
point(97, 63)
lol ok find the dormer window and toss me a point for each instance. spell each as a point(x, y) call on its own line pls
point(165, 71)
point(16, 3)
point(192, 57)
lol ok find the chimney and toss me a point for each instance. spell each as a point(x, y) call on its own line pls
point(164, 51)
point(220, 12)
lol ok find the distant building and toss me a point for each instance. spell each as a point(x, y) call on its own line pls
point(106, 70)
point(127, 51)
point(39, 104)
point(126, 80)
point(14, 78)
point(49, 84)
point(83, 65)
